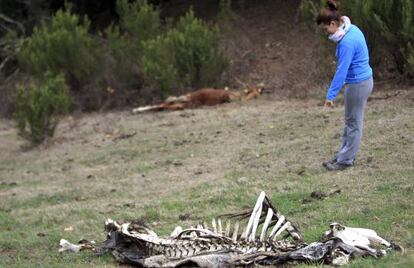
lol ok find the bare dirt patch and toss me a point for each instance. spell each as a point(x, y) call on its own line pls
point(268, 44)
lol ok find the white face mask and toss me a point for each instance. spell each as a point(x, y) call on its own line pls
point(342, 30)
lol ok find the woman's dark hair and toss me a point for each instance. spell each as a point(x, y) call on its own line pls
point(328, 13)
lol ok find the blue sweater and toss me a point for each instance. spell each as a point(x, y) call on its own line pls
point(353, 61)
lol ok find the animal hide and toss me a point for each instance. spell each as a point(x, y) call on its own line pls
point(202, 97)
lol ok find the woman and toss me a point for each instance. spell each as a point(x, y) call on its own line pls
point(353, 71)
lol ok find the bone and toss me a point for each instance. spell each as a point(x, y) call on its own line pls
point(253, 216)
point(235, 231)
point(255, 225)
point(193, 234)
point(110, 222)
point(143, 109)
point(177, 230)
point(269, 217)
point(277, 226)
point(284, 227)
point(220, 228)
point(341, 259)
point(205, 225)
point(227, 233)
point(358, 237)
point(67, 246)
point(213, 224)
point(372, 236)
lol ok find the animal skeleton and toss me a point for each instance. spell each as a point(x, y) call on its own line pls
point(136, 244)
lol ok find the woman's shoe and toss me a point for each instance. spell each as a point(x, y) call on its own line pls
point(337, 166)
point(332, 161)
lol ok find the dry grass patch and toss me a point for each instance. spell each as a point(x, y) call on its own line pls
point(204, 162)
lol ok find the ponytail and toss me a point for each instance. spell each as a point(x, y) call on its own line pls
point(329, 13)
point(332, 5)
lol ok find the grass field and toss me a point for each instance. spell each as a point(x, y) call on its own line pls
point(201, 163)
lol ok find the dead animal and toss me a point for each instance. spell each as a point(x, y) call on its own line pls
point(261, 236)
point(202, 97)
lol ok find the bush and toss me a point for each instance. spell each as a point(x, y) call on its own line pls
point(389, 22)
point(308, 9)
point(158, 64)
point(197, 53)
point(187, 55)
point(63, 46)
point(410, 60)
point(9, 46)
point(38, 107)
point(225, 15)
point(138, 22)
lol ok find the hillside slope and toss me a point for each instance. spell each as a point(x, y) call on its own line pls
point(268, 44)
point(180, 168)
point(201, 163)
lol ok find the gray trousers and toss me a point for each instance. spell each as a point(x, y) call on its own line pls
point(356, 96)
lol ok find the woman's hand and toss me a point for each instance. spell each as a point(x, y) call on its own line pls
point(328, 104)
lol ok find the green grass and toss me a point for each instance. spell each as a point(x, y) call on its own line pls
point(205, 163)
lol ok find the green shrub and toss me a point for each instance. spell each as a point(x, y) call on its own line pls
point(389, 22)
point(197, 53)
point(122, 55)
point(158, 64)
point(138, 22)
point(308, 10)
point(225, 15)
point(410, 60)
point(9, 46)
point(62, 46)
point(38, 107)
point(187, 55)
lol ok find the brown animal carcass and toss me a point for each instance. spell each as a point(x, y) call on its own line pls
point(201, 97)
